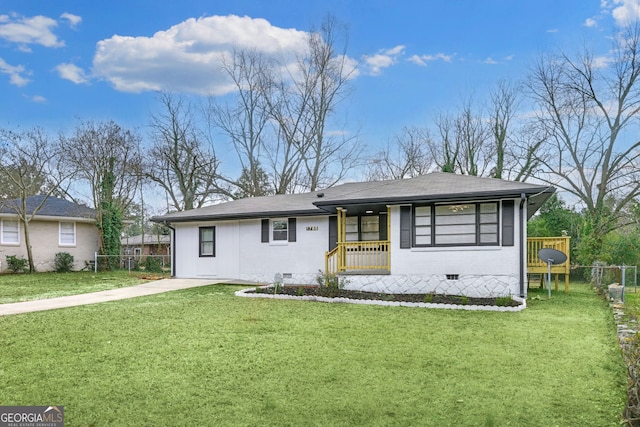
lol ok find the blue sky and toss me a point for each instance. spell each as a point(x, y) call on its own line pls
point(68, 59)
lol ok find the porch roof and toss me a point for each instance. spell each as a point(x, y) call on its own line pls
point(434, 187)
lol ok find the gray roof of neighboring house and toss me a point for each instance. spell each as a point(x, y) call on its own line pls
point(433, 187)
point(53, 206)
point(149, 239)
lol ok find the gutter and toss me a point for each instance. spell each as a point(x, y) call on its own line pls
point(523, 199)
point(173, 248)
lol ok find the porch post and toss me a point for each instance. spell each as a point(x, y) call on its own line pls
point(342, 237)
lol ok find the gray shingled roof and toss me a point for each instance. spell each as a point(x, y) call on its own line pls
point(53, 206)
point(149, 239)
point(434, 187)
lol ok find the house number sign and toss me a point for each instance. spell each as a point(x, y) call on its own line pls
point(312, 228)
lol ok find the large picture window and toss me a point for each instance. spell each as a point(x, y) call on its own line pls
point(10, 232)
point(207, 241)
point(456, 224)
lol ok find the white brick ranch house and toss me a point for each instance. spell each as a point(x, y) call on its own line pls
point(439, 232)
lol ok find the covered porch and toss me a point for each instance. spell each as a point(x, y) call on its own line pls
point(362, 243)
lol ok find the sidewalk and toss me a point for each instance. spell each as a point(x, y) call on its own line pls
point(149, 288)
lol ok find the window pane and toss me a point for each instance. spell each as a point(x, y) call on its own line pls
point(423, 240)
point(489, 208)
point(280, 229)
point(423, 211)
point(207, 234)
point(207, 248)
point(455, 239)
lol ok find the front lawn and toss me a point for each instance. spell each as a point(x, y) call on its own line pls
point(26, 287)
point(205, 357)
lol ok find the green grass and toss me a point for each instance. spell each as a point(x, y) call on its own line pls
point(26, 287)
point(205, 357)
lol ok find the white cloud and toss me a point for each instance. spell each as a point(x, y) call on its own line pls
point(382, 59)
point(72, 72)
point(602, 61)
point(37, 99)
point(33, 30)
point(624, 12)
point(73, 20)
point(16, 73)
point(552, 30)
point(423, 60)
point(187, 56)
point(590, 23)
point(490, 61)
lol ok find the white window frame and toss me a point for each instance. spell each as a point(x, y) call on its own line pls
point(3, 230)
point(273, 230)
point(61, 242)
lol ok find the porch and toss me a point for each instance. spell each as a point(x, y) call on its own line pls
point(352, 253)
point(536, 266)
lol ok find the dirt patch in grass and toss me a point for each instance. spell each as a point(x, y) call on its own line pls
point(329, 292)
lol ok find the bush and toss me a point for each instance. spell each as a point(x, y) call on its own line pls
point(152, 265)
point(15, 264)
point(63, 262)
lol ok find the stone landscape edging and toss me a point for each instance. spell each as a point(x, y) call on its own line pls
point(250, 293)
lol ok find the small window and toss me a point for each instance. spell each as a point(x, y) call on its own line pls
point(279, 229)
point(10, 232)
point(207, 241)
point(67, 234)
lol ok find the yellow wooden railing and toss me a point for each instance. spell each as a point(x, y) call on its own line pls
point(358, 256)
point(537, 266)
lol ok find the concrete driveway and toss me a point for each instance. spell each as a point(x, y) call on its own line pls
point(149, 288)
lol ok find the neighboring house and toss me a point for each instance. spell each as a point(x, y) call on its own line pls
point(59, 226)
point(441, 233)
point(148, 244)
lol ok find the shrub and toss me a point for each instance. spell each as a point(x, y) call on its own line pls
point(464, 300)
point(63, 262)
point(503, 301)
point(428, 298)
point(15, 264)
point(152, 265)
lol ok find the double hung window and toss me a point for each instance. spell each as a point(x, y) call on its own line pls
point(207, 241)
point(10, 232)
point(67, 234)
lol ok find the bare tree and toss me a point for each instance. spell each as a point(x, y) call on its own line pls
point(302, 103)
point(107, 158)
point(180, 161)
point(464, 145)
point(407, 157)
point(244, 122)
point(590, 111)
point(28, 163)
point(517, 145)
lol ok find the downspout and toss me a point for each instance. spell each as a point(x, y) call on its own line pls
point(172, 248)
point(523, 199)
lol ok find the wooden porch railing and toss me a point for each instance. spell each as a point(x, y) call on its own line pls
point(358, 256)
point(537, 266)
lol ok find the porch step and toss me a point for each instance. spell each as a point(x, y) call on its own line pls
point(371, 272)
